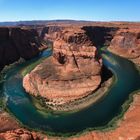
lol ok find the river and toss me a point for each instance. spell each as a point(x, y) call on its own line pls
point(127, 80)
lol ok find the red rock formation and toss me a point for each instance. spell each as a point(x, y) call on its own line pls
point(19, 134)
point(73, 66)
point(16, 43)
point(126, 43)
point(128, 128)
point(10, 129)
point(7, 122)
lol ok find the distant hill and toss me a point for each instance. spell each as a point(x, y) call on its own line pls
point(39, 22)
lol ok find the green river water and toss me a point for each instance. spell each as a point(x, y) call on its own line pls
point(127, 80)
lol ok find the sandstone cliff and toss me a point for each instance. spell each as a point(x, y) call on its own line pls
point(17, 43)
point(72, 66)
point(20, 134)
point(126, 43)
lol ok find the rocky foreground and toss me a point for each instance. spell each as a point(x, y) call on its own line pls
point(74, 61)
point(127, 128)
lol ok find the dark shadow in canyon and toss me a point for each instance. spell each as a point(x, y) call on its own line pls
point(101, 36)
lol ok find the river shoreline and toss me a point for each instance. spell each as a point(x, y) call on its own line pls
point(116, 124)
point(76, 105)
point(111, 124)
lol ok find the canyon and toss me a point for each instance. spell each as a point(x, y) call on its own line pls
point(68, 69)
point(16, 43)
point(126, 43)
point(75, 69)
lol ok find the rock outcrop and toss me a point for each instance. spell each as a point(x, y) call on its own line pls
point(19, 134)
point(126, 43)
point(100, 36)
point(11, 130)
point(127, 129)
point(71, 73)
point(74, 65)
point(17, 43)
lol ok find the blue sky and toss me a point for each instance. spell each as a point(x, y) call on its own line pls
point(96, 10)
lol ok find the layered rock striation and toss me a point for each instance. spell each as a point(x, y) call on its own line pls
point(126, 43)
point(17, 43)
point(63, 67)
point(71, 73)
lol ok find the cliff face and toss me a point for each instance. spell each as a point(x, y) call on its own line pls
point(20, 134)
point(74, 65)
point(16, 43)
point(71, 73)
point(74, 71)
point(49, 31)
point(100, 36)
point(126, 43)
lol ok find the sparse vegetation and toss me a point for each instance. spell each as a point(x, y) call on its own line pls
point(30, 67)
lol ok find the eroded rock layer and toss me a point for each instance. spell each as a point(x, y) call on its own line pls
point(126, 43)
point(72, 66)
point(17, 43)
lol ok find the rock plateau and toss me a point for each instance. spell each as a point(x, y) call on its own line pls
point(74, 70)
point(75, 60)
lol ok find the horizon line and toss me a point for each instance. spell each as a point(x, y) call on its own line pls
point(76, 20)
